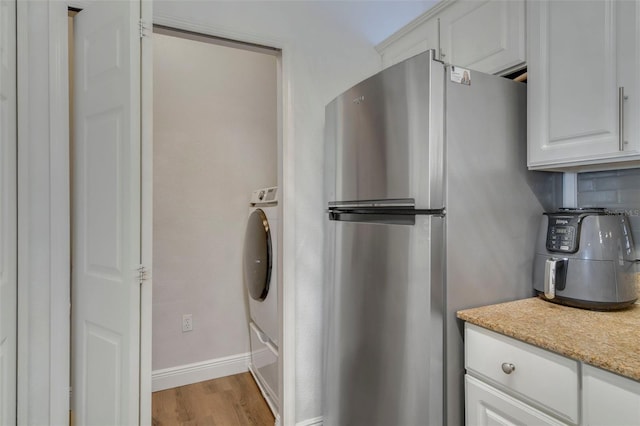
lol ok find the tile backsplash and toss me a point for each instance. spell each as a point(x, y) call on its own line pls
point(618, 190)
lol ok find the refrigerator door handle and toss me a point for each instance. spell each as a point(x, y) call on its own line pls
point(384, 215)
point(392, 211)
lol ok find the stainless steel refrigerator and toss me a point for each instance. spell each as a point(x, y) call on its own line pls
point(431, 210)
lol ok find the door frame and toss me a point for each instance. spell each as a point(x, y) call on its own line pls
point(146, 209)
point(44, 212)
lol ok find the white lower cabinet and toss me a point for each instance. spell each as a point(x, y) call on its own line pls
point(487, 406)
point(535, 377)
point(509, 382)
point(609, 399)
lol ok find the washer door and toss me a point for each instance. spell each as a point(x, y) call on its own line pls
point(257, 255)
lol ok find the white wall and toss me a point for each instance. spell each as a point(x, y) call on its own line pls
point(215, 141)
point(325, 57)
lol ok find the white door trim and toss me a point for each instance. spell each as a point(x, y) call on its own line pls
point(146, 211)
point(8, 214)
point(60, 208)
point(43, 212)
point(286, 181)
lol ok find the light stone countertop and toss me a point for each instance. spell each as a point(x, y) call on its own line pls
point(609, 340)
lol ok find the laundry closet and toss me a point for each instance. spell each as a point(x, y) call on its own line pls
point(215, 143)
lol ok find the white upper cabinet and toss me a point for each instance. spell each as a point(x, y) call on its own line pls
point(582, 83)
point(416, 37)
point(487, 36)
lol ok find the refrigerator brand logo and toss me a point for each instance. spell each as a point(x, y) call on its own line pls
point(358, 100)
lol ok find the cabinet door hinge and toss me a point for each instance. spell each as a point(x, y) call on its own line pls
point(145, 28)
point(143, 274)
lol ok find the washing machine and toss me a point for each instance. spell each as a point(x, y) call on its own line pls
point(261, 283)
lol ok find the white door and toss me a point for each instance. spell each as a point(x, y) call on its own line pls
point(106, 215)
point(8, 203)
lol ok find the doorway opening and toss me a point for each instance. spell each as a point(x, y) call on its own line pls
point(217, 133)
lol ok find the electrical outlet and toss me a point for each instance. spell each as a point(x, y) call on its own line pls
point(187, 322)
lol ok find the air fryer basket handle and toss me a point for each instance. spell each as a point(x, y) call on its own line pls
point(555, 276)
point(550, 266)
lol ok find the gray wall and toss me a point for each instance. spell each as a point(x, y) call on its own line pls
point(617, 190)
point(215, 141)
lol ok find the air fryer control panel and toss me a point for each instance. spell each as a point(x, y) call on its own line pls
point(563, 233)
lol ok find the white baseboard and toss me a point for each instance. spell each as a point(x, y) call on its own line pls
point(199, 371)
point(316, 421)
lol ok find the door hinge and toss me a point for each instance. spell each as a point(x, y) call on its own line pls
point(71, 414)
point(143, 274)
point(145, 28)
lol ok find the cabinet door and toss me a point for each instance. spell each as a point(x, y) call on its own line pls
point(609, 399)
point(487, 406)
point(409, 41)
point(579, 55)
point(487, 36)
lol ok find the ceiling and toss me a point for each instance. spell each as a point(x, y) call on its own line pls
point(375, 20)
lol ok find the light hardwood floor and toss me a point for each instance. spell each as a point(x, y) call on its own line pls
point(227, 401)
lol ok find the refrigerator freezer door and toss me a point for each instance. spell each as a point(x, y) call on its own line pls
point(384, 355)
point(493, 210)
point(387, 135)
